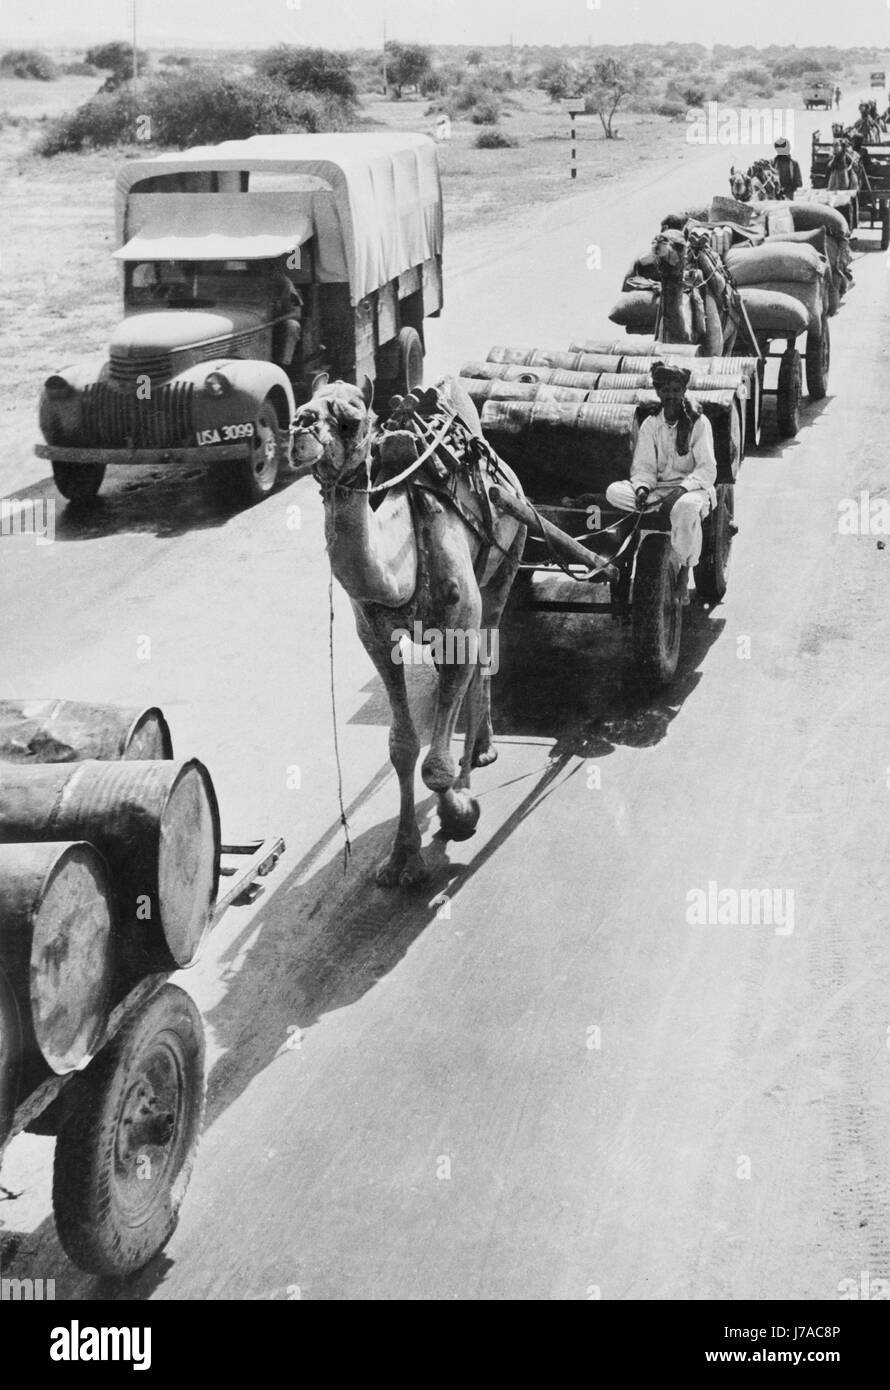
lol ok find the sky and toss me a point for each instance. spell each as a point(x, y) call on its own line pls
point(359, 23)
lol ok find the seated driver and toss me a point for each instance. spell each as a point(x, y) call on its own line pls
point(673, 466)
point(289, 301)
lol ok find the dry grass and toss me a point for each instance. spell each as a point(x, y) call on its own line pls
point(482, 185)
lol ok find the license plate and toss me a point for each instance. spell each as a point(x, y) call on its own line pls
point(225, 434)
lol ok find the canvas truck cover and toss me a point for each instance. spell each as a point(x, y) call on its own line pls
point(373, 201)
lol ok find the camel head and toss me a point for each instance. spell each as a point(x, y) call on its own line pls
point(669, 248)
point(332, 430)
point(739, 185)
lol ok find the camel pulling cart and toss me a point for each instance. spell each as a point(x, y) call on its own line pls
point(869, 204)
point(110, 878)
point(567, 424)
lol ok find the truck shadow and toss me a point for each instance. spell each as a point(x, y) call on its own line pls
point(163, 502)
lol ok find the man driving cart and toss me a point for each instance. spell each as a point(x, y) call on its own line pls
point(673, 467)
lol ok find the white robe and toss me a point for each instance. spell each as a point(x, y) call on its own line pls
point(658, 466)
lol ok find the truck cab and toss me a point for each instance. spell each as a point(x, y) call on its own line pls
point(247, 268)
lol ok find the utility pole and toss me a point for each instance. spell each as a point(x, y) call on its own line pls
point(135, 55)
point(385, 77)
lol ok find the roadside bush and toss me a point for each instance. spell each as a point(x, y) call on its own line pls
point(485, 112)
point(670, 106)
point(195, 108)
point(117, 60)
point(495, 139)
point(106, 119)
point(317, 70)
point(28, 63)
point(79, 69)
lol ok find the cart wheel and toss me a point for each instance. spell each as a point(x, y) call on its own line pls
point(818, 361)
point(657, 614)
point(252, 479)
point(788, 395)
point(754, 410)
point(78, 482)
point(125, 1151)
point(10, 1057)
point(728, 443)
point(885, 226)
point(718, 529)
point(834, 293)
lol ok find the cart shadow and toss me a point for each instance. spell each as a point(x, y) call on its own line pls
point(328, 935)
point(163, 502)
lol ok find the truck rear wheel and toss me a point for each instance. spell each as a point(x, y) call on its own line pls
point(78, 482)
point(885, 226)
point(788, 395)
point(406, 354)
point(125, 1151)
point(253, 478)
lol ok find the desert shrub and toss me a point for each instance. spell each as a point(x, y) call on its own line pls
point(28, 63)
point(432, 83)
point(318, 70)
point(175, 60)
point(495, 139)
point(755, 75)
point(107, 119)
point(196, 108)
point(117, 60)
point(79, 68)
point(670, 106)
point(485, 112)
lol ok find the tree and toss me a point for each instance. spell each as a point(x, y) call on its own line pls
point(557, 78)
point(117, 60)
point(474, 58)
point(406, 64)
point(317, 70)
point(605, 85)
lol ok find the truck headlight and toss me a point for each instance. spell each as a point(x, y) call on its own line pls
point(216, 384)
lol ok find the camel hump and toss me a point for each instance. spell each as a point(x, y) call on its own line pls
point(456, 397)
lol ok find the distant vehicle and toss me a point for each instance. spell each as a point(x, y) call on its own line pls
point(249, 268)
point(818, 93)
point(878, 79)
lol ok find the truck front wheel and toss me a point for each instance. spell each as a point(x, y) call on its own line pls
point(78, 482)
point(253, 478)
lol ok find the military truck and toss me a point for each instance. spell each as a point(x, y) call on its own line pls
point(248, 268)
point(817, 92)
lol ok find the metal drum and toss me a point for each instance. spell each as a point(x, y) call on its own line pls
point(156, 823)
point(57, 949)
point(67, 731)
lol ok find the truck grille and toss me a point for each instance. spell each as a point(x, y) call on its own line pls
point(117, 419)
point(131, 369)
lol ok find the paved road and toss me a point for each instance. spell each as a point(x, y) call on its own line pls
point(554, 1086)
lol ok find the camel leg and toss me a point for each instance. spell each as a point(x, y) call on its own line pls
point(458, 811)
point(494, 601)
point(405, 864)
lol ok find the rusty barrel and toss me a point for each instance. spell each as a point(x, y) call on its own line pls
point(546, 357)
point(157, 825)
point(624, 347)
point(543, 376)
point(480, 391)
point(58, 934)
point(11, 1045)
point(67, 731)
point(559, 447)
